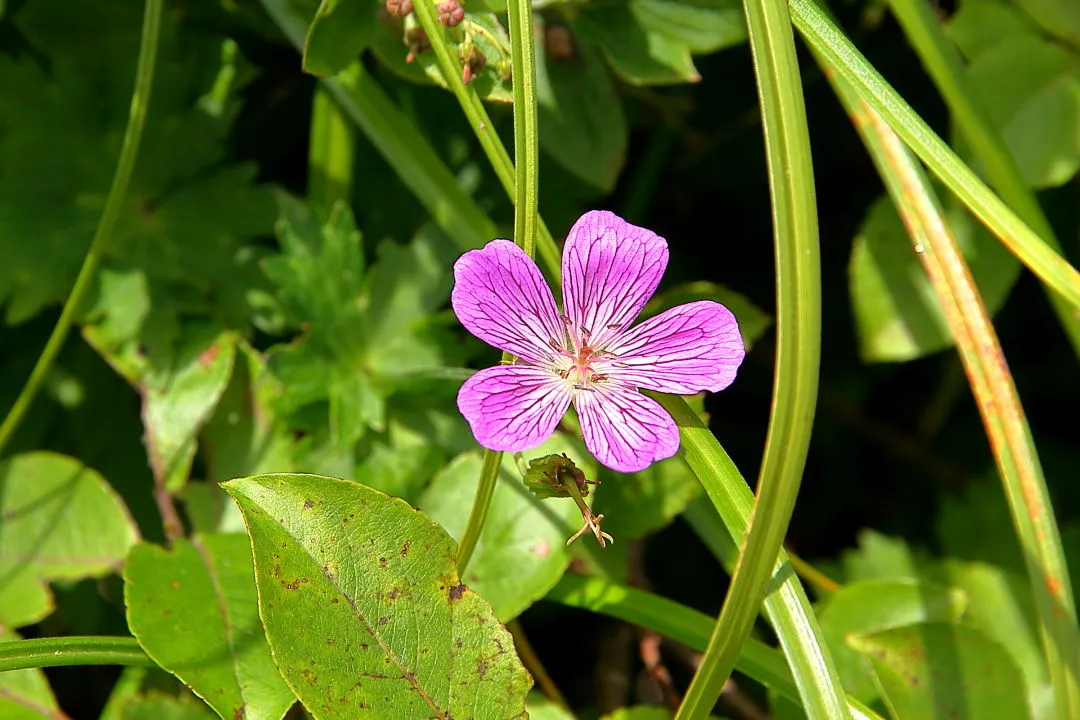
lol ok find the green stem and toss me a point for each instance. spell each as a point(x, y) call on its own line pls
point(686, 625)
point(476, 114)
point(525, 195)
point(786, 606)
point(129, 151)
point(842, 58)
point(798, 292)
point(88, 650)
point(942, 61)
point(995, 395)
point(489, 476)
point(526, 143)
point(330, 151)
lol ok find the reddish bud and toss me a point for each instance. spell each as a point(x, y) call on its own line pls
point(400, 8)
point(450, 13)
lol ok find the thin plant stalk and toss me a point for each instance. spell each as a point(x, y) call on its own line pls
point(683, 624)
point(522, 62)
point(79, 650)
point(995, 395)
point(526, 162)
point(798, 292)
point(125, 166)
point(330, 151)
point(841, 57)
point(942, 61)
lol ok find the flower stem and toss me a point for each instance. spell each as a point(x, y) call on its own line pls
point(330, 151)
point(940, 58)
point(474, 111)
point(798, 356)
point(489, 475)
point(786, 607)
point(526, 143)
point(129, 151)
point(683, 624)
point(995, 395)
point(84, 650)
point(841, 57)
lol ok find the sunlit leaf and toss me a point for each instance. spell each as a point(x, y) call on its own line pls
point(704, 25)
point(194, 609)
point(897, 314)
point(869, 606)
point(387, 623)
point(59, 520)
point(522, 551)
point(637, 52)
point(947, 671)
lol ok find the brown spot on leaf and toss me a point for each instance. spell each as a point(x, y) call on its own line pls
point(383, 620)
point(405, 548)
point(308, 504)
point(456, 591)
point(481, 668)
point(293, 585)
point(175, 585)
point(382, 562)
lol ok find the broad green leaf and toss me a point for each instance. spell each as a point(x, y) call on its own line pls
point(540, 708)
point(65, 105)
point(194, 610)
point(396, 40)
point(59, 520)
point(637, 53)
point(174, 411)
point(522, 550)
point(25, 694)
point(753, 321)
point(981, 24)
point(339, 31)
point(1000, 605)
point(160, 706)
point(897, 314)
point(641, 503)
point(869, 606)
point(1060, 18)
point(704, 25)
point(387, 623)
point(1030, 87)
point(245, 436)
point(582, 124)
point(947, 671)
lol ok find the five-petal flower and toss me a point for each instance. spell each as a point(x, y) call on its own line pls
point(589, 355)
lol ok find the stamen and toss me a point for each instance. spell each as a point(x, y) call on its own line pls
point(584, 387)
point(566, 319)
point(614, 326)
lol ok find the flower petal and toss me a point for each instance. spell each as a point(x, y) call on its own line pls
point(513, 407)
point(610, 269)
point(501, 297)
point(624, 429)
point(684, 350)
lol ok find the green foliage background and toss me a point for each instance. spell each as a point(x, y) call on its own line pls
point(240, 324)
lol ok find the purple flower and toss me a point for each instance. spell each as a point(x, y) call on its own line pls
point(589, 355)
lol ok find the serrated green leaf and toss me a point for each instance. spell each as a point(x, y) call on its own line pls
point(387, 623)
point(59, 520)
point(705, 26)
point(940, 670)
point(194, 610)
point(879, 556)
point(639, 54)
point(521, 552)
point(979, 25)
point(339, 31)
point(1030, 88)
point(25, 694)
point(753, 321)
point(582, 123)
point(176, 410)
point(641, 503)
point(869, 606)
point(897, 314)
